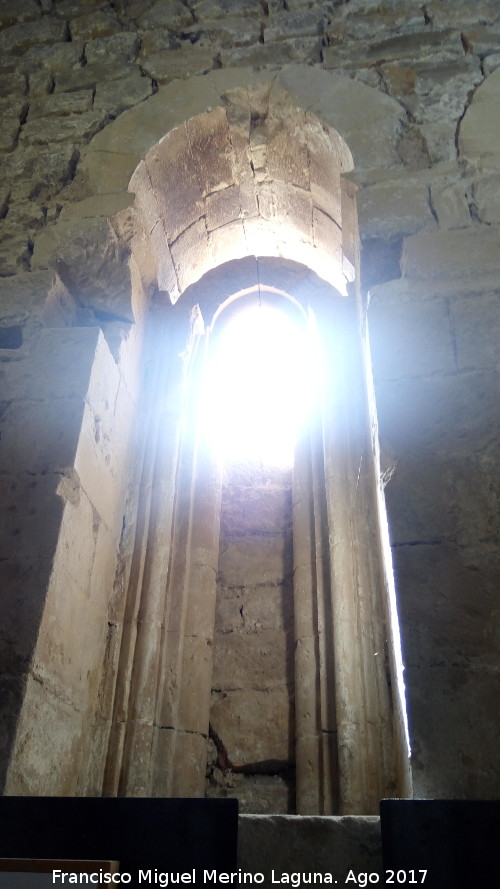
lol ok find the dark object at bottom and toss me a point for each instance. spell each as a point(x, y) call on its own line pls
point(456, 841)
point(169, 835)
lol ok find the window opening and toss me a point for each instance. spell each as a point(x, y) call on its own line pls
point(262, 373)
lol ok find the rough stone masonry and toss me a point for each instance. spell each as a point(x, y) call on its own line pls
point(429, 221)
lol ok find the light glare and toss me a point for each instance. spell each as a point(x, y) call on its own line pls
point(258, 386)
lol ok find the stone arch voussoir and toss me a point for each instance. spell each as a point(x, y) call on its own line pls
point(120, 160)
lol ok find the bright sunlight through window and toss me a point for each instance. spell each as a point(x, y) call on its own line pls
point(259, 386)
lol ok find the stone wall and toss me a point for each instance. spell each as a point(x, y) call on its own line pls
point(429, 215)
point(252, 711)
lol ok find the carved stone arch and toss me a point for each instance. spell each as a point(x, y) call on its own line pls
point(153, 678)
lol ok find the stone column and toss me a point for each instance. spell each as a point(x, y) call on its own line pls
point(129, 766)
point(316, 741)
point(346, 695)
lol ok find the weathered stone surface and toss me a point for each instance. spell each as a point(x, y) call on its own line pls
point(251, 509)
point(427, 504)
point(225, 32)
point(90, 76)
point(92, 264)
point(22, 37)
point(259, 661)
point(439, 415)
point(61, 104)
point(461, 13)
point(72, 128)
point(121, 94)
point(252, 726)
point(15, 250)
point(121, 47)
point(280, 52)
point(56, 57)
point(479, 132)
point(475, 324)
point(486, 198)
point(309, 845)
point(168, 65)
point(451, 254)
point(9, 133)
point(24, 11)
point(173, 15)
point(409, 338)
point(261, 794)
point(263, 553)
point(95, 24)
point(12, 83)
point(295, 24)
point(34, 171)
point(211, 9)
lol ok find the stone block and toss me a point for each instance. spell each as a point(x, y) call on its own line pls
point(486, 198)
point(262, 794)
point(191, 254)
point(167, 65)
point(24, 11)
point(255, 609)
point(442, 765)
point(173, 15)
point(222, 207)
point(61, 104)
point(455, 254)
point(117, 96)
point(257, 660)
point(108, 172)
point(226, 32)
point(41, 436)
point(76, 128)
point(90, 76)
point(475, 323)
point(420, 501)
point(441, 415)
point(39, 172)
point(9, 133)
point(211, 149)
point(254, 728)
point(283, 25)
point(288, 207)
point(194, 702)
point(327, 235)
point(461, 13)
point(38, 764)
point(309, 844)
point(91, 263)
point(13, 83)
point(262, 558)
point(381, 116)
point(23, 295)
point(56, 59)
point(15, 250)
point(250, 510)
point(211, 9)
point(305, 50)
point(98, 23)
point(409, 338)
point(175, 183)
point(24, 586)
point(121, 48)
point(21, 37)
point(31, 516)
point(479, 132)
point(287, 158)
point(26, 214)
point(397, 207)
